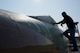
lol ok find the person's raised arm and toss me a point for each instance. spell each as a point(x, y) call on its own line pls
point(61, 22)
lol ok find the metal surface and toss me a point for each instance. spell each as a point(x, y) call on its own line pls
point(18, 30)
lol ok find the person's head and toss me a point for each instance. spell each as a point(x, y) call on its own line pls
point(64, 14)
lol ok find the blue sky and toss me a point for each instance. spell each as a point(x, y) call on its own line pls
point(54, 8)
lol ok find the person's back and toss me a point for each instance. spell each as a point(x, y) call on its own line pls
point(69, 21)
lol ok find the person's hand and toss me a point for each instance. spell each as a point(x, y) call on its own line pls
point(53, 23)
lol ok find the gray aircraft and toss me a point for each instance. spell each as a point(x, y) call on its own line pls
point(20, 33)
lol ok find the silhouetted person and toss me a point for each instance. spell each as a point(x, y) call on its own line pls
point(71, 29)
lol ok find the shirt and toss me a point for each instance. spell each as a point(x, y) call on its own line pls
point(69, 22)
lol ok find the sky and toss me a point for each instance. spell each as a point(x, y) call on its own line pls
point(54, 8)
